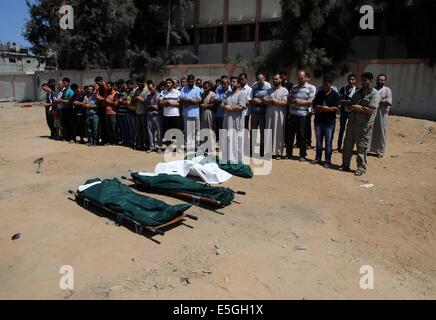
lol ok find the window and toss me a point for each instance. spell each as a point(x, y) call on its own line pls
point(12, 60)
point(211, 35)
point(269, 30)
point(241, 33)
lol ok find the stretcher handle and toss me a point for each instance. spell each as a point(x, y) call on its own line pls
point(242, 193)
point(158, 231)
point(190, 216)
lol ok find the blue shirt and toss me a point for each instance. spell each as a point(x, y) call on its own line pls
point(67, 95)
point(221, 95)
point(92, 100)
point(259, 93)
point(194, 93)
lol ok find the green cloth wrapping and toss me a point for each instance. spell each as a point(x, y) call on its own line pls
point(175, 183)
point(236, 169)
point(116, 196)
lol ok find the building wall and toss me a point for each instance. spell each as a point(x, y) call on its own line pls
point(240, 10)
point(410, 80)
point(211, 53)
point(244, 49)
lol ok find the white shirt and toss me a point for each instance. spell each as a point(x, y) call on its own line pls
point(247, 91)
point(173, 95)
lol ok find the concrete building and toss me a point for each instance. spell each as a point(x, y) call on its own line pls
point(222, 30)
point(15, 59)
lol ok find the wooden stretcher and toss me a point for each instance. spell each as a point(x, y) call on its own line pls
point(139, 228)
point(190, 198)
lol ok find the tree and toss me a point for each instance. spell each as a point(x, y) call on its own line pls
point(159, 28)
point(314, 33)
point(100, 37)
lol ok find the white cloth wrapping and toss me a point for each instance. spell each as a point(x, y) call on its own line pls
point(209, 173)
point(87, 186)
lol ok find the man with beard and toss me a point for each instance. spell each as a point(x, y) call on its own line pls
point(346, 93)
point(190, 99)
point(141, 115)
point(363, 106)
point(258, 111)
point(276, 116)
point(380, 130)
point(300, 100)
point(222, 93)
point(234, 123)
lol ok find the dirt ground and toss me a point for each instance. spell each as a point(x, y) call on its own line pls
point(248, 252)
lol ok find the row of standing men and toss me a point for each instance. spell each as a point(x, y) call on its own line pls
point(137, 114)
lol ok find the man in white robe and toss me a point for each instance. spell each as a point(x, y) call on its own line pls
point(379, 133)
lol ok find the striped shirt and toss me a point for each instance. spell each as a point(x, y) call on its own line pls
point(305, 92)
point(172, 95)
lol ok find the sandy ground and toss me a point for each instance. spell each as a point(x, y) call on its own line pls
point(342, 226)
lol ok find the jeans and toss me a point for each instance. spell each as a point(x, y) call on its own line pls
point(92, 124)
point(111, 128)
point(324, 131)
point(123, 123)
point(154, 127)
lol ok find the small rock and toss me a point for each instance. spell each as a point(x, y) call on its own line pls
point(16, 236)
point(217, 246)
point(219, 252)
point(226, 280)
point(185, 281)
point(119, 287)
point(300, 248)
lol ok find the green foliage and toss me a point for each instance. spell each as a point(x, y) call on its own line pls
point(110, 33)
point(314, 33)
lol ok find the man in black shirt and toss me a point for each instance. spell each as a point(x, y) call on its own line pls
point(326, 106)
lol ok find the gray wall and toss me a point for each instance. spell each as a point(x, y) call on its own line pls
point(411, 81)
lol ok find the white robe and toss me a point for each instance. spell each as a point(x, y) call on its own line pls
point(379, 131)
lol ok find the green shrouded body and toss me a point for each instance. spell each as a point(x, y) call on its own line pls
point(174, 183)
point(116, 196)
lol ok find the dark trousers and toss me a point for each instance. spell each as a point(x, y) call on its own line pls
point(218, 127)
point(296, 127)
point(342, 127)
point(324, 131)
point(258, 123)
point(308, 131)
point(131, 119)
point(123, 123)
point(50, 122)
point(111, 128)
point(102, 131)
point(141, 131)
point(67, 123)
point(172, 123)
point(79, 128)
